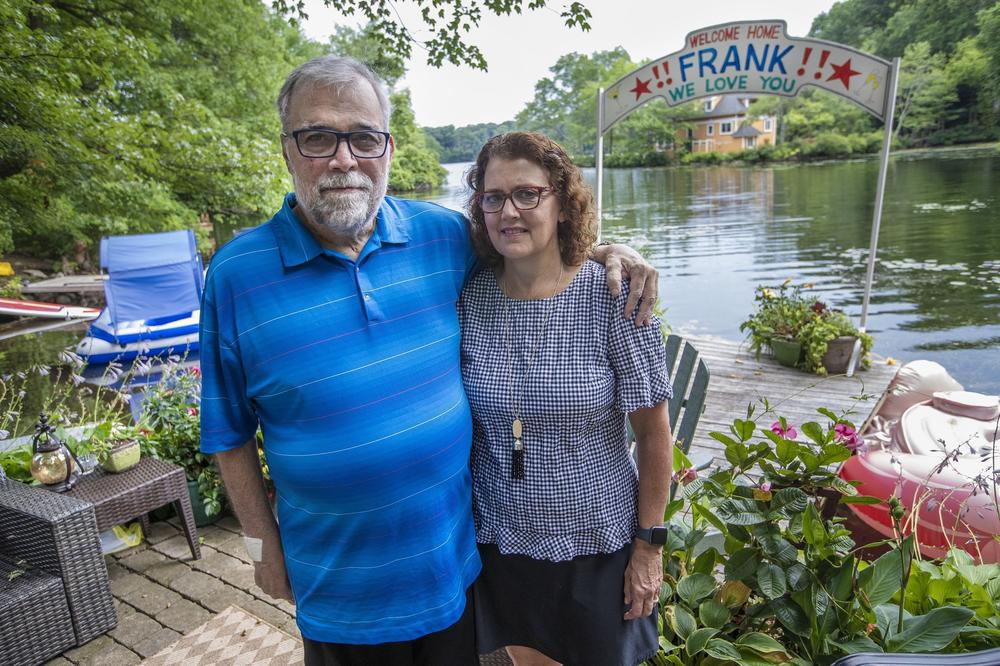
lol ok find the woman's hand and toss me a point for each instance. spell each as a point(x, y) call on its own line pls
point(643, 578)
point(621, 261)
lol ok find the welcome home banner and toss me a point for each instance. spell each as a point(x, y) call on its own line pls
point(750, 57)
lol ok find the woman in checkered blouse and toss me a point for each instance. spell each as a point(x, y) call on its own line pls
point(552, 366)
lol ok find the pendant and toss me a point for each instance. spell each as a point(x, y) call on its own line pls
point(517, 461)
point(516, 428)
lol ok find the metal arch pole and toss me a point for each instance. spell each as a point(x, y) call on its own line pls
point(599, 163)
point(879, 199)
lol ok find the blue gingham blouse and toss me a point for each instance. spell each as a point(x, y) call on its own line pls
point(579, 493)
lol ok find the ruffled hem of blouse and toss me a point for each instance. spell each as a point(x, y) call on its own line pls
point(645, 390)
point(558, 547)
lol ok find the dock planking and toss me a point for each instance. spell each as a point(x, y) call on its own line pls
point(67, 284)
point(738, 379)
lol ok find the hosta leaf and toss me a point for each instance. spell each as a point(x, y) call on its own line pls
point(722, 649)
point(681, 621)
point(694, 587)
point(698, 639)
point(760, 643)
point(771, 580)
point(733, 594)
point(930, 632)
point(713, 614)
point(858, 644)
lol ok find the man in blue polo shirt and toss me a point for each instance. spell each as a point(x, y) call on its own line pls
point(333, 328)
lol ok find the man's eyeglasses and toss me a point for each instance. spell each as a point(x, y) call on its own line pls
point(363, 144)
point(523, 198)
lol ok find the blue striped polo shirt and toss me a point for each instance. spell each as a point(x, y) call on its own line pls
point(351, 370)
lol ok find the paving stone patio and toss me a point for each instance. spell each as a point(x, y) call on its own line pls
point(161, 593)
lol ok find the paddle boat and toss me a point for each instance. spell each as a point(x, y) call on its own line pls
point(16, 307)
point(153, 291)
point(936, 448)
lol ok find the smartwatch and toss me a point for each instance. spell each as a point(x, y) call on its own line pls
point(655, 535)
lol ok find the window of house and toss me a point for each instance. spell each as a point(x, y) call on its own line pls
point(710, 129)
point(768, 124)
point(749, 142)
point(708, 106)
point(726, 128)
point(690, 133)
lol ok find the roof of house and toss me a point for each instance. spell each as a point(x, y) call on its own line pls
point(729, 105)
point(746, 130)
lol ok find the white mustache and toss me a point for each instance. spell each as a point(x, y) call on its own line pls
point(351, 179)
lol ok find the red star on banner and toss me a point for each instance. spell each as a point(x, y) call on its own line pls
point(641, 88)
point(843, 73)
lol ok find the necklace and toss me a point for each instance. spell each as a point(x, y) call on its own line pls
point(516, 425)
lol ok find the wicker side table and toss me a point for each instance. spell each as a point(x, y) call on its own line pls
point(133, 493)
point(35, 623)
point(58, 535)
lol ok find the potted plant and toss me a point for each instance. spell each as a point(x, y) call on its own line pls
point(828, 338)
point(779, 314)
point(116, 445)
point(170, 411)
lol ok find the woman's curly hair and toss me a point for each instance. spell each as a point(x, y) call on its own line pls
point(577, 231)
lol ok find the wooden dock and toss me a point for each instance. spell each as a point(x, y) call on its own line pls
point(67, 283)
point(738, 379)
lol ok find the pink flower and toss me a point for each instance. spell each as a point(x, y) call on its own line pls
point(848, 436)
point(192, 411)
point(686, 475)
point(766, 486)
point(196, 371)
point(787, 433)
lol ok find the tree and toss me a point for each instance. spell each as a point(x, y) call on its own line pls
point(925, 91)
point(122, 116)
point(447, 22)
point(989, 43)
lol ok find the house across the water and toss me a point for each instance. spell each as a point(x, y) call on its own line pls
point(724, 127)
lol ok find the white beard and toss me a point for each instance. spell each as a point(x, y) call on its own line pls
point(347, 216)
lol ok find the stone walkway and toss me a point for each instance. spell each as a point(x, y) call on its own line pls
point(161, 593)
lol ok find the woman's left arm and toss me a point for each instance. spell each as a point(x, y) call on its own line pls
point(644, 573)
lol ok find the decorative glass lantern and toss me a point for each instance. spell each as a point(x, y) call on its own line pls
point(52, 463)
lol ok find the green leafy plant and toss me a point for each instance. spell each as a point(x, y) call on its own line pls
point(782, 580)
point(779, 313)
point(170, 413)
point(823, 326)
point(111, 435)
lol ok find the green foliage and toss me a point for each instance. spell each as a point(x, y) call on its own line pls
point(779, 312)
point(783, 312)
point(782, 581)
point(447, 23)
point(170, 415)
point(462, 144)
point(10, 287)
point(126, 117)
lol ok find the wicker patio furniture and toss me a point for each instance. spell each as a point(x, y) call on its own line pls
point(35, 624)
point(48, 534)
point(118, 498)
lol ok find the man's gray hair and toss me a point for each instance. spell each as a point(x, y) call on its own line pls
point(338, 72)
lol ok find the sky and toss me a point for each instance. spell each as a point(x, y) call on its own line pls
point(520, 49)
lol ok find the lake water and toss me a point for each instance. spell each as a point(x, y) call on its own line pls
point(716, 232)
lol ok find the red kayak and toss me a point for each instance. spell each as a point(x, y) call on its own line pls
point(13, 307)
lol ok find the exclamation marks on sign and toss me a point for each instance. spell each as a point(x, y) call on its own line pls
point(666, 73)
point(822, 63)
point(805, 60)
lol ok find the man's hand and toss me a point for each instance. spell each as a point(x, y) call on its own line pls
point(621, 261)
point(270, 574)
point(643, 578)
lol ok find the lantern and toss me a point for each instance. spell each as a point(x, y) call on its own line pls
point(52, 463)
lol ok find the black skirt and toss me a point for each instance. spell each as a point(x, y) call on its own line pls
point(570, 611)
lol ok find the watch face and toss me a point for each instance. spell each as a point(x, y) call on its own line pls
point(658, 535)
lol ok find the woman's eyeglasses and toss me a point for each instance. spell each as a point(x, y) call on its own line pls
point(523, 198)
